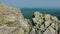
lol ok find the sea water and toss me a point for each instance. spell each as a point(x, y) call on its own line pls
point(28, 12)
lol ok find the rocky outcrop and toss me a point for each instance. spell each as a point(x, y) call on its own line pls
point(45, 23)
point(13, 22)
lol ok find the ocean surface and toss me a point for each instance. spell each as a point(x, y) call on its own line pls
point(28, 12)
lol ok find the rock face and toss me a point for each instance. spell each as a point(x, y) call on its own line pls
point(13, 22)
point(45, 23)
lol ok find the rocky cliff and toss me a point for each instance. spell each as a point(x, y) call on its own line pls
point(13, 22)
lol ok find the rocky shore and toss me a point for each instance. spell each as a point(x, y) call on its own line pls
point(12, 21)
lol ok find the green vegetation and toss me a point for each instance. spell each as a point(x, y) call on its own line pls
point(8, 23)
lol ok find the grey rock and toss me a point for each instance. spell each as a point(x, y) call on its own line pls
point(13, 22)
point(46, 23)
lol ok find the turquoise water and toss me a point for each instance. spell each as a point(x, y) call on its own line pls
point(28, 12)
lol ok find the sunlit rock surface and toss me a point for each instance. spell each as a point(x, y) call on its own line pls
point(13, 22)
point(47, 24)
